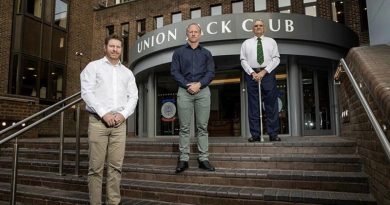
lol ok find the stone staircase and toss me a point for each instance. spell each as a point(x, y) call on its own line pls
point(298, 170)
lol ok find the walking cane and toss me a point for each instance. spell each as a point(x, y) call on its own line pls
point(261, 114)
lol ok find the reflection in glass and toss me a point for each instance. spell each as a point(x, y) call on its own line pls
point(34, 7)
point(225, 104)
point(176, 17)
point(281, 79)
point(56, 78)
point(309, 106)
point(338, 11)
point(167, 121)
point(323, 100)
point(61, 13)
point(260, 5)
point(48, 11)
point(195, 13)
point(44, 80)
point(58, 46)
point(125, 46)
point(29, 77)
point(237, 7)
point(216, 10)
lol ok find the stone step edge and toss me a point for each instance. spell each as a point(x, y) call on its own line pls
point(321, 158)
point(71, 196)
point(293, 175)
point(269, 194)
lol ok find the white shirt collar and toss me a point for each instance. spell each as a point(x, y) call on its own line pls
point(105, 59)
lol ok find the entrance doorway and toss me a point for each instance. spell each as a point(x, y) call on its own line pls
point(225, 109)
point(317, 117)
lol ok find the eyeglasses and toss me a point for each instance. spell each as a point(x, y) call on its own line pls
point(258, 26)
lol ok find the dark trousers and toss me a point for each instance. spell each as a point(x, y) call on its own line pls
point(269, 93)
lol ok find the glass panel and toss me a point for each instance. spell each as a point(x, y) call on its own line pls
point(338, 11)
point(309, 105)
point(56, 78)
point(167, 120)
point(216, 10)
point(43, 80)
point(158, 22)
point(196, 13)
point(61, 13)
point(281, 78)
point(284, 3)
point(311, 10)
point(29, 77)
point(363, 17)
point(287, 11)
point(109, 30)
point(323, 99)
point(46, 42)
point(48, 11)
point(14, 78)
point(260, 5)
point(225, 104)
point(237, 7)
point(31, 36)
point(34, 7)
point(141, 26)
point(176, 17)
point(125, 50)
point(58, 46)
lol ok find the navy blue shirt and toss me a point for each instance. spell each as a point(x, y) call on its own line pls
point(192, 65)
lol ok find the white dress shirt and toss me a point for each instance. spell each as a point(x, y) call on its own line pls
point(108, 88)
point(248, 54)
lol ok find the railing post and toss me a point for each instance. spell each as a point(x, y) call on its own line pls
point(61, 144)
point(77, 159)
point(14, 172)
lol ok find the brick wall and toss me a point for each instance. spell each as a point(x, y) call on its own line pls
point(365, 63)
point(5, 43)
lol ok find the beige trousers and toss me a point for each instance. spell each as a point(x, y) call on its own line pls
point(105, 144)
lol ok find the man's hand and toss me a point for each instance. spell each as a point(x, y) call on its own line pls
point(258, 76)
point(109, 119)
point(193, 88)
point(119, 119)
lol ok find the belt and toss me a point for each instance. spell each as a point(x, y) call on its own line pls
point(96, 116)
point(258, 69)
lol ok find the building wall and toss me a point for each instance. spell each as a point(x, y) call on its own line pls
point(356, 125)
point(378, 18)
point(5, 43)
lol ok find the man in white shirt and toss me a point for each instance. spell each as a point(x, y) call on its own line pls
point(259, 58)
point(110, 93)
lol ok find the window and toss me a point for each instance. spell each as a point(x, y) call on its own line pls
point(363, 17)
point(310, 7)
point(141, 27)
point(39, 48)
point(260, 5)
point(237, 7)
point(196, 13)
point(216, 10)
point(125, 42)
point(61, 13)
point(48, 15)
point(122, 1)
point(176, 17)
point(158, 22)
point(338, 11)
point(34, 7)
point(110, 30)
point(284, 6)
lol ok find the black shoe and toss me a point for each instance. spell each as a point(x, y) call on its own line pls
point(274, 138)
point(254, 139)
point(206, 165)
point(181, 166)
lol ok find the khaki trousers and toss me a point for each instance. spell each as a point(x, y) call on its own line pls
point(105, 143)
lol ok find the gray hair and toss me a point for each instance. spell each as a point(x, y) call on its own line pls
point(193, 24)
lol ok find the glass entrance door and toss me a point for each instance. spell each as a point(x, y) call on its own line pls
point(317, 118)
point(225, 104)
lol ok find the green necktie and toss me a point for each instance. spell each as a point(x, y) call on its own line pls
point(260, 55)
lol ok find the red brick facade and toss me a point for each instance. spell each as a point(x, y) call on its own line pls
point(356, 125)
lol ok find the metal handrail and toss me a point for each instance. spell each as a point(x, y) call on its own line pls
point(25, 129)
point(382, 137)
point(37, 114)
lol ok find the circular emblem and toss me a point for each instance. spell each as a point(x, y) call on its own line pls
point(168, 110)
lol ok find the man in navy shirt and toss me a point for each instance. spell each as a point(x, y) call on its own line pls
point(193, 69)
